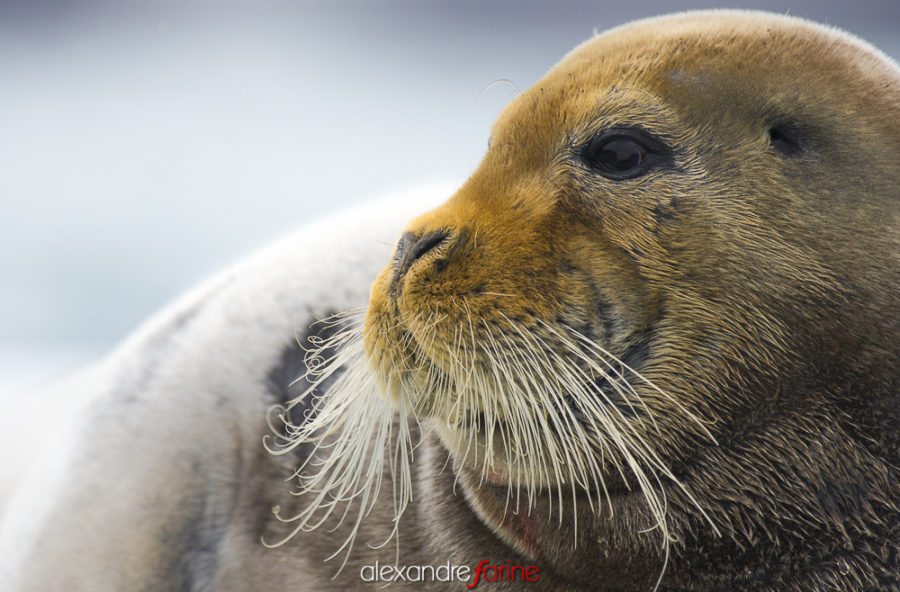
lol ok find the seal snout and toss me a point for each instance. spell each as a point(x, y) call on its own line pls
point(413, 247)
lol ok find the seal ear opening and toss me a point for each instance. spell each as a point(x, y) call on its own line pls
point(785, 140)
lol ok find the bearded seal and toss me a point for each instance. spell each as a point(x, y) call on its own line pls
point(651, 343)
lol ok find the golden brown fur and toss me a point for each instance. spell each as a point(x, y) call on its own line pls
point(688, 377)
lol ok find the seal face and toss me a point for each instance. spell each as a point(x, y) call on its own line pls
point(657, 329)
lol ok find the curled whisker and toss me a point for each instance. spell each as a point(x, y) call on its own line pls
point(522, 400)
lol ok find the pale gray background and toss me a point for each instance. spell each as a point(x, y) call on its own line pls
point(144, 145)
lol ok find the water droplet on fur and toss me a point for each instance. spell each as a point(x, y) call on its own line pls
point(843, 567)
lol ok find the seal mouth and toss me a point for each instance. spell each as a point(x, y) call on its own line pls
point(498, 435)
point(610, 389)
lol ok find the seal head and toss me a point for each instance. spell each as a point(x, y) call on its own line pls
point(656, 332)
point(663, 312)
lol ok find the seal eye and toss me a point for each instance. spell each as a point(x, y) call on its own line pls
point(622, 154)
point(785, 140)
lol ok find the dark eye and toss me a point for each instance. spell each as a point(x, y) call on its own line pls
point(786, 140)
point(620, 155)
point(624, 155)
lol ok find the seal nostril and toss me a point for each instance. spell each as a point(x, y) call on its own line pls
point(409, 250)
point(427, 242)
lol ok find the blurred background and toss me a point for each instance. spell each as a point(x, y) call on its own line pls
point(145, 145)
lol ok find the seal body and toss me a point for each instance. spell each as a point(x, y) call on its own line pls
point(652, 343)
point(148, 470)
